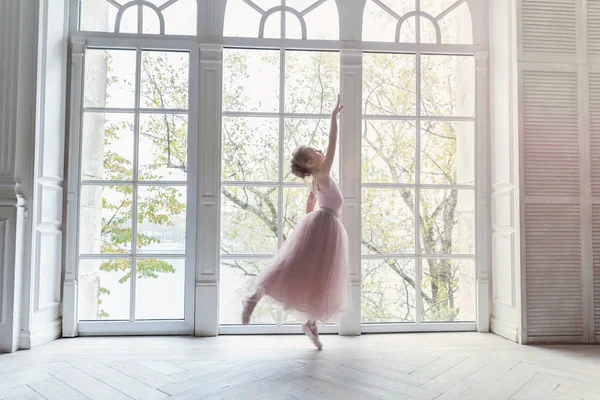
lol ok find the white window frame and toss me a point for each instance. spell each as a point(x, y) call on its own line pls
point(204, 175)
point(418, 256)
point(280, 184)
point(131, 327)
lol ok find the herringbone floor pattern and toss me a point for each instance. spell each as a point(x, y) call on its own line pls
point(389, 367)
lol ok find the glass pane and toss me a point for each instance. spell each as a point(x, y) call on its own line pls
point(448, 85)
point(448, 288)
point(389, 84)
point(163, 147)
point(165, 79)
point(161, 219)
point(150, 21)
point(300, 5)
point(388, 291)
point(241, 20)
point(128, 22)
point(250, 80)
point(105, 220)
point(104, 290)
point(98, 15)
point(160, 289)
point(379, 25)
point(237, 278)
point(107, 146)
point(315, 27)
point(456, 26)
point(293, 27)
point(312, 81)
point(447, 221)
point(428, 32)
point(248, 220)
point(448, 153)
point(388, 222)
point(109, 78)
point(250, 149)
point(389, 151)
point(294, 208)
point(311, 132)
point(408, 31)
point(180, 17)
point(273, 26)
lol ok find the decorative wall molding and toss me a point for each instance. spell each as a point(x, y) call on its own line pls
point(499, 327)
point(504, 256)
point(43, 278)
point(42, 334)
point(70, 285)
point(9, 64)
point(17, 21)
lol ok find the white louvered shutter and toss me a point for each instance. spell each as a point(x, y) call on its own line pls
point(594, 87)
point(552, 223)
point(548, 26)
point(593, 23)
point(551, 140)
point(596, 237)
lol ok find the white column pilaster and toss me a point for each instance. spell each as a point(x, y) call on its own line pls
point(209, 191)
point(350, 177)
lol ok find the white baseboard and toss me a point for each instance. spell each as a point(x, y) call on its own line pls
point(505, 330)
point(40, 335)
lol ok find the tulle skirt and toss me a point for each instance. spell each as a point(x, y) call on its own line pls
point(310, 272)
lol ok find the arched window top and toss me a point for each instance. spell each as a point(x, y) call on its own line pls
point(289, 19)
point(418, 21)
point(162, 17)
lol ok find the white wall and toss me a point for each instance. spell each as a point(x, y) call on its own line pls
point(32, 115)
point(42, 280)
point(17, 94)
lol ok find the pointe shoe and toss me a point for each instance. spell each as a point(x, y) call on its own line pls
point(247, 310)
point(311, 331)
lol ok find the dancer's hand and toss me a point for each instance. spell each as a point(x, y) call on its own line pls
point(338, 108)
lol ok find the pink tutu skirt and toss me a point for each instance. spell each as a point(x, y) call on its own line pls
point(310, 271)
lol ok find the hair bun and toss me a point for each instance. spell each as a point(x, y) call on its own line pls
point(299, 171)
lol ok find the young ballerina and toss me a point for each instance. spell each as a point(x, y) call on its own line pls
point(309, 273)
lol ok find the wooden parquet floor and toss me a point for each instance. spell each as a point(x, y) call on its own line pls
point(391, 367)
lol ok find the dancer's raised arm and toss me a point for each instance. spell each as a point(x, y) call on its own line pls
point(325, 168)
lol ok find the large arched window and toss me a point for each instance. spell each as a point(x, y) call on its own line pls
point(418, 160)
point(273, 101)
point(184, 116)
point(418, 156)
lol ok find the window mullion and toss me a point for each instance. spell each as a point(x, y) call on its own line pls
point(279, 315)
point(418, 22)
point(282, 29)
point(134, 190)
point(418, 251)
point(140, 22)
